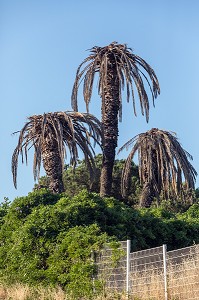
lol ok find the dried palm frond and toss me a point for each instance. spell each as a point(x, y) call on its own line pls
point(130, 70)
point(162, 162)
point(51, 134)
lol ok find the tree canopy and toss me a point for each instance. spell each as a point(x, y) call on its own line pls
point(51, 135)
point(164, 165)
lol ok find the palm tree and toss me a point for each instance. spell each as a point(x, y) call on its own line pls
point(117, 66)
point(50, 134)
point(162, 163)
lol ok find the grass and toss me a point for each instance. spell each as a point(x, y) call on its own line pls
point(24, 292)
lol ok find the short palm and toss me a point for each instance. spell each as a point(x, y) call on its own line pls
point(163, 164)
point(117, 66)
point(51, 134)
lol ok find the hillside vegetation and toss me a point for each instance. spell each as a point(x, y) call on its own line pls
point(48, 239)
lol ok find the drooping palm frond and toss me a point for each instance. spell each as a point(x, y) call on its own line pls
point(131, 71)
point(163, 163)
point(51, 135)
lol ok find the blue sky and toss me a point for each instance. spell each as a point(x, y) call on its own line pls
point(42, 42)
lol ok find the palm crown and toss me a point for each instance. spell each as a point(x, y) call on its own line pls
point(163, 163)
point(130, 69)
point(51, 134)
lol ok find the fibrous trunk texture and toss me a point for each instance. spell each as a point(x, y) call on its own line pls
point(147, 195)
point(110, 108)
point(53, 165)
point(150, 188)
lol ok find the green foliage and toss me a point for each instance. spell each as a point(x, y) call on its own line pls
point(192, 213)
point(77, 180)
point(76, 270)
point(4, 207)
point(177, 230)
point(43, 240)
point(23, 206)
point(48, 239)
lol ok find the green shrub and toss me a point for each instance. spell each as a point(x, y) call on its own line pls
point(79, 179)
point(48, 239)
point(4, 207)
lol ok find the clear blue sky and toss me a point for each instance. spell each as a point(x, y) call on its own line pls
point(42, 42)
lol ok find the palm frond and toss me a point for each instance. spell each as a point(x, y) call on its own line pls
point(130, 68)
point(66, 130)
point(162, 162)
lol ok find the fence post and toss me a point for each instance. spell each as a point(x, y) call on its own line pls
point(165, 271)
point(93, 263)
point(128, 250)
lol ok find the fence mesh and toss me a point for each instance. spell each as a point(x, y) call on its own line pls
point(183, 273)
point(147, 275)
point(113, 273)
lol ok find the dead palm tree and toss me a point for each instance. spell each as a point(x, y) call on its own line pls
point(51, 134)
point(117, 67)
point(162, 162)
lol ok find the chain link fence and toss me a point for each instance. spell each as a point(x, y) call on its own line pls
point(152, 273)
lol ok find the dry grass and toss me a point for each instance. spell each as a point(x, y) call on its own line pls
point(24, 292)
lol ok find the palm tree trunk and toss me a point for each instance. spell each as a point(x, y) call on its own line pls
point(147, 195)
point(110, 108)
point(149, 191)
point(53, 165)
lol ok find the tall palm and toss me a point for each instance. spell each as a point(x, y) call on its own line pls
point(50, 134)
point(162, 162)
point(117, 66)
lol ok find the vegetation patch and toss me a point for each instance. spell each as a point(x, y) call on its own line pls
point(49, 238)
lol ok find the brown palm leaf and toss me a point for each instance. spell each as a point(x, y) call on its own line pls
point(163, 163)
point(130, 70)
point(51, 134)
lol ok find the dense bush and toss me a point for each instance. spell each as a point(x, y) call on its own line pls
point(48, 239)
point(79, 179)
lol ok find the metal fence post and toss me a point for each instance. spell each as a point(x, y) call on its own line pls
point(93, 260)
point(128, 250)
point(165, 271)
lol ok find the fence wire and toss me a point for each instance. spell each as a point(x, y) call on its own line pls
point(147, 273)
